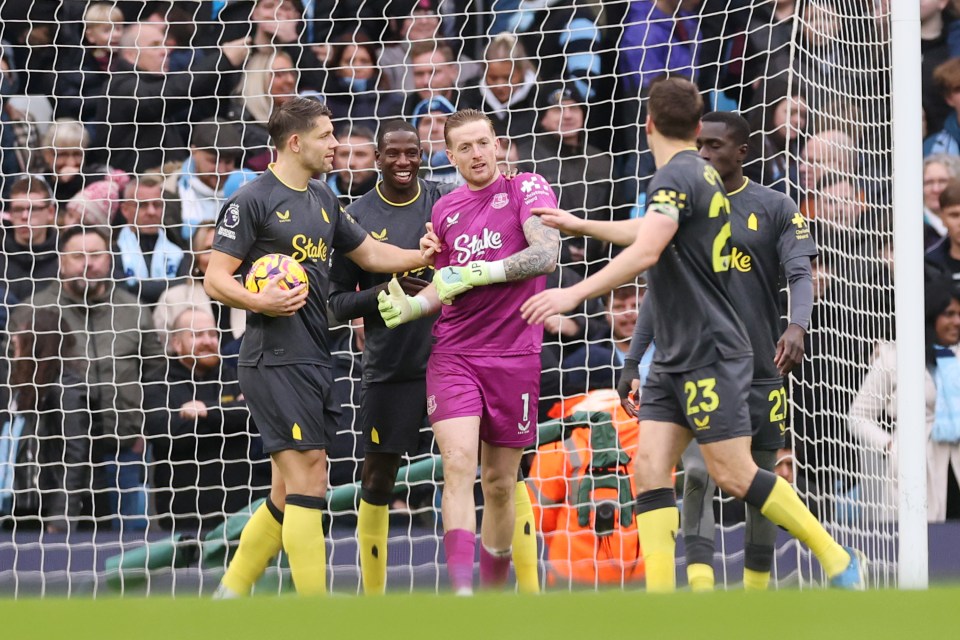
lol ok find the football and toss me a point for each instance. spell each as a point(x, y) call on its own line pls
point(271, 265)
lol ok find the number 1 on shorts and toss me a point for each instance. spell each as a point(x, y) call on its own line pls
point(526, 406)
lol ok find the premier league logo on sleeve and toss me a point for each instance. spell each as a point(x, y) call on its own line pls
point(431, 405)
point(232, 216)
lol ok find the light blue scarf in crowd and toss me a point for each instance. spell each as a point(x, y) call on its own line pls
point(166, 257)
point(9, 444)
point(946, 423)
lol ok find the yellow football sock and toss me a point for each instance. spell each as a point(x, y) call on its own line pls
point(783, 507)
point(525, 542)
point(700, 577)
point(755, 580)
point(658, 543)
point(260, 540)
point(304, 544)
point(373, 522)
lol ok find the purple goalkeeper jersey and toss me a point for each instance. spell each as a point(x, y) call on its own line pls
point(488, 225)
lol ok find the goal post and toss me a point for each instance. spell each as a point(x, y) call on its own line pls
point(907, 192)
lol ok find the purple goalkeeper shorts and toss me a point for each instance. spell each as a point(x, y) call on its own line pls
point(502, 390)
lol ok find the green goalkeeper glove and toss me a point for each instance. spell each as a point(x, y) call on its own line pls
point(452, 281)
point(449, 284)
point(396, 307)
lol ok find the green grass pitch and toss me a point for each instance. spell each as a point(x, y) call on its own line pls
point(613, 615)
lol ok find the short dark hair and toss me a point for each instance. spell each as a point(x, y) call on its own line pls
point(462, 117)
point(295, 116)
point(355, 131)
point(70, 233)
point(30, 184)
point(950, 196)
point(393, 126)
point(737, 126)
point(675, 106)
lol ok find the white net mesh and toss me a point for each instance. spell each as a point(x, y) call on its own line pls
point(98, 98)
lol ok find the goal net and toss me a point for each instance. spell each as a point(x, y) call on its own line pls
point(131, 466)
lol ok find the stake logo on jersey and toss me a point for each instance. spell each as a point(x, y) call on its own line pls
point(305, 248)
point(472, 247)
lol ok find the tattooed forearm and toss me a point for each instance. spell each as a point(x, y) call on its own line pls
point(537, 259)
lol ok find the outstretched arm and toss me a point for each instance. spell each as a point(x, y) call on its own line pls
point(618, 232)
point(381, 257)
point(654, 234)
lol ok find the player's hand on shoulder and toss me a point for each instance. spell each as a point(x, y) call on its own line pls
point(430, 244)
point(560, 219)
point(789, 349)
point(450, 283)
point(274, 301)
point(548, 303)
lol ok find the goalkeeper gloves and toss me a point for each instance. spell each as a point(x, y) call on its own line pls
point(396, 307)
point(452, 281)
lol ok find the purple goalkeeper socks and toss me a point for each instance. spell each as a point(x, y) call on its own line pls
point(494, 567)
point(459, 545)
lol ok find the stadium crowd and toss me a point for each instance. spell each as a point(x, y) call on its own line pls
point(126, 125)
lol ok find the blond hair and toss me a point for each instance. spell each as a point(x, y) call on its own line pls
point(463, 117)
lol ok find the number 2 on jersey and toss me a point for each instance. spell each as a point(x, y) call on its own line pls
point(778, 408)
point(704, 391)
point(720, 204)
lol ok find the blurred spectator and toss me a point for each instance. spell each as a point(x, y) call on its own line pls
point(191, 295)
point(419, 21)
point(148, 261)
point(356, 91)
point(579, 172)
point(837, 202)
point(122, 360)
point(64, 163)
point(19, 132)
point(596, 364)
point(29, 259)
point(215, 148)
point(934, 51)
point(96, 205)
point(269, 80)
point(938, 171)
point(354, 164)
point(946, 253)
point(142, 121)
point(201, 434)
point(947, 140)
point(769, 37)
point(563, 38)
point(434, 75)
point(779, 126)
point(45, 428)
point(873, 413)
point(826, 152)
point(83, 71)
point(429, 118)
point(659, 37)
point(507, 90)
